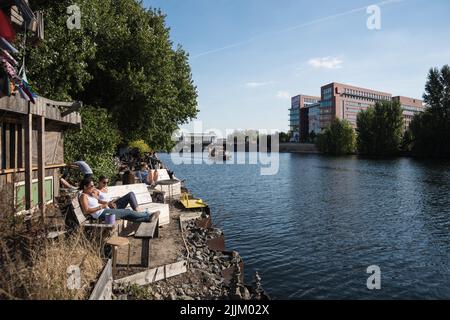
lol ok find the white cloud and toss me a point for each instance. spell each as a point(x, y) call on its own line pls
point(326, 63)
point(258, 84)
point(284, 95)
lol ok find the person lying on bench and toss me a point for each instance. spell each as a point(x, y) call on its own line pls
point(90, 206)
point(121, 203)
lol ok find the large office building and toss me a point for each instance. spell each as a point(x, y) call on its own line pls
point(298, 115)
point(410, 107)
point(344, 102)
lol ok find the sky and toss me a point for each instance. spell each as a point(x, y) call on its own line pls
point(249, 57)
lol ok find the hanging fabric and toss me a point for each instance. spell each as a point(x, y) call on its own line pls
point(6, 28)
point(4, 44)
point(26, 11)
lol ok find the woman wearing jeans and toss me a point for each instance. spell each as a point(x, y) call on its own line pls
point(90, 206)
point(103, 197)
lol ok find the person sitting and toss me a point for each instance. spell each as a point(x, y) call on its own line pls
point(121, 203)
point(147, 176)
point(91, 206)
point(64, 183)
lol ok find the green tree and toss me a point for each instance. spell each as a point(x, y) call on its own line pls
point(380, 129)
point(95, 143)
point(430, 130)
point(338, 139)
point(122, 59)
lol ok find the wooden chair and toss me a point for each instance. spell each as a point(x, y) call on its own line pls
point(117, 242)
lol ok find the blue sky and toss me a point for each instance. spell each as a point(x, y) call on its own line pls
point(249, 56)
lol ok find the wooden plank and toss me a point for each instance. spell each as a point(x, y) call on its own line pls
point(146, 230)
point(1, 146)
point(7, 146)
point(28, 125)
point(145, 252)
point(103, 287)
point(41, 165)
point(55, 166)
point(156, 274)
point(16, 147)
point(20, 145)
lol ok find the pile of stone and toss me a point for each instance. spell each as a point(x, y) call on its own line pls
point(211, 275)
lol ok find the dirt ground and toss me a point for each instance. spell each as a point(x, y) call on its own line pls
point(166, 249)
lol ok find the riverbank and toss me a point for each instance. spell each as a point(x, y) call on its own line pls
point(299, 148)
point(207, 271)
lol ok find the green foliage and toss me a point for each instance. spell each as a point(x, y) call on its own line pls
point(284, 137)
point(380, 129)
point(430, 130)
point(338, 139)
point(141, 146)
point(95, 143)
point(121, 60)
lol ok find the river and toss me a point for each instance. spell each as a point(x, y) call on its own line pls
point(314, 228)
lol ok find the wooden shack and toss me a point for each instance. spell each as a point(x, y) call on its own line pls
point(32, 148)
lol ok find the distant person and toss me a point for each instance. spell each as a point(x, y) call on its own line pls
point(91, 206)
point(83, 167)
point(147, 176)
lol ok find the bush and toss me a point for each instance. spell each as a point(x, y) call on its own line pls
point(141, 146)
point(95, 143)
point(338, 139)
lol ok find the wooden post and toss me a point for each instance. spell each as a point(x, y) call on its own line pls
point(41, 165)
point(1, 146)
point(7, 146)
point(28, 127)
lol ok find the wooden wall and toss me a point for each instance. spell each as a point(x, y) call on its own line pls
point(12, 152)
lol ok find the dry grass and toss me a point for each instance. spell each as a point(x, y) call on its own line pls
point(45, 276)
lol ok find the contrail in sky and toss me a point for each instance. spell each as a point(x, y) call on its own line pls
point(300, 26)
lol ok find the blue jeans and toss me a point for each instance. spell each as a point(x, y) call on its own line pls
point(127, 214)
point(129, 199)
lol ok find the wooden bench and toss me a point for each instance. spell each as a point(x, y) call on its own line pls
point(81, 219)
point(143, 198)
point(146, 231)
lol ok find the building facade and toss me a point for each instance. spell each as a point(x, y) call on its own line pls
point(345, 102)
point(410, 107)
point(314, 119)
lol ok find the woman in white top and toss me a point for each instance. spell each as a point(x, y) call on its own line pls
point(91, 206)
point(121, 203)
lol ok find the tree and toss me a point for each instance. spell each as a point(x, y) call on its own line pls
point(95, 143)
point(122, 60)
point(338, 139)
point(380, 129)
point(430, 130)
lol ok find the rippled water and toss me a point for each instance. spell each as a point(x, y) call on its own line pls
point(314, 228)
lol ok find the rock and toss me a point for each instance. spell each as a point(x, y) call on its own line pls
point(186, 298)
point(157, 296)
point(173, 296)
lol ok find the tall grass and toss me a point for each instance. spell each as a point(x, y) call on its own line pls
point(44, 276)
